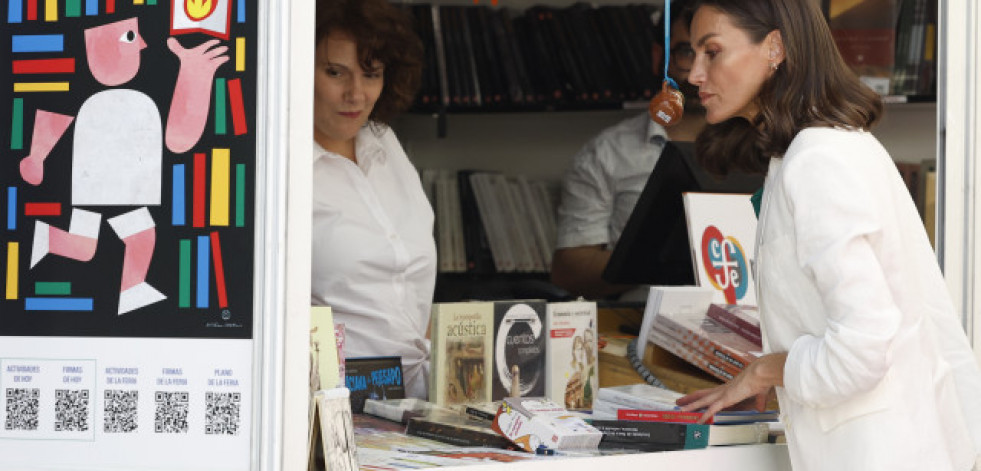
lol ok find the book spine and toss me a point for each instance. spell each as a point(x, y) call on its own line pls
point(736, 323)
point(673, 416)
point(455, 435)
point(683, 436)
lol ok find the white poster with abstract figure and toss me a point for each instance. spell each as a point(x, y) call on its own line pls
point(127, 235)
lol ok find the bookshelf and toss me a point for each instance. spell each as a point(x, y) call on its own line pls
point(538, 140)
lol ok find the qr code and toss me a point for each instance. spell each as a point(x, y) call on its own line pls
point(22, 408)
point(71, 410)
point(172, 408)
point(120, 411)
point(222, 413)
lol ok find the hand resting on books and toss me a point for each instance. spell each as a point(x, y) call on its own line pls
point(751, 387)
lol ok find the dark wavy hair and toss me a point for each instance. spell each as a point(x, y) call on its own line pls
point(813, 87)
point(383, 33)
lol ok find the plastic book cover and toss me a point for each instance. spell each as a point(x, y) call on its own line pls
point(572, 357)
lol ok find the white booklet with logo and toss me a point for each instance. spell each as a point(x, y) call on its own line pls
point(722, 235)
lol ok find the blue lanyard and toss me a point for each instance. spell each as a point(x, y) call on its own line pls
point(667, 43)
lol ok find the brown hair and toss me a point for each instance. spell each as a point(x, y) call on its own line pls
point(812, 87)
point(384, 33)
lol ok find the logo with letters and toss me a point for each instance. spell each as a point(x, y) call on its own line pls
point(725, 263)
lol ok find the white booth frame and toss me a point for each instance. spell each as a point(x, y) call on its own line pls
point(285, 113)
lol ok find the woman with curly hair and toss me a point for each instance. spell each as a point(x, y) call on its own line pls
point(374, 258)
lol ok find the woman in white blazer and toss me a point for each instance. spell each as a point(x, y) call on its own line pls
point(864, 348)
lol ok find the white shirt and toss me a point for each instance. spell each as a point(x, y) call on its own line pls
point(601, 188)
point(879, 373)
point(374, 257)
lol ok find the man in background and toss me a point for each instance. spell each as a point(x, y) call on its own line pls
point(607, 176)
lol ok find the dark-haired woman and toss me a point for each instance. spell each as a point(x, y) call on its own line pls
point(374, 258)
point(871, 366)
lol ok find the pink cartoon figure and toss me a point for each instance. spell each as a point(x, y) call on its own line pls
point(117, 151)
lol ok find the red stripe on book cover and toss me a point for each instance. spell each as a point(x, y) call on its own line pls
point(675, 416)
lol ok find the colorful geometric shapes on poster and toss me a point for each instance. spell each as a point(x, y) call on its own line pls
point(37, 43)
point(219, 271)
point(240, 195)
point(73, 8)
point(13, 272)
point(178, 206)
point(184, 274)
point(137, 2)
point(240, 54)
point(50, 10)
point(91, 7)
point(138, 232)
point(238, 107)
point(110, 6)
point(202, 272)
point(35, 87)
point(31, 10)
point(220, 186)
point(52, 288)
point(220, 107)
point(201, 16)
point(78, 243)
point(197, 206)
point(48, 129)
point(240, 11)
point(42, 209)
point(11, 208)
point(58, 304)
point(15, 11)
point(17, 125)
point(65, 65)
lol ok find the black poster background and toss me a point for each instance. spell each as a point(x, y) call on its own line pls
point(100, 277)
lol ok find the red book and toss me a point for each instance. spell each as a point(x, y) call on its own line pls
point(743, 320)
point(675, 416)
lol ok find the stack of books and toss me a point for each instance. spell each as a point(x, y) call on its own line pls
point(683, 321)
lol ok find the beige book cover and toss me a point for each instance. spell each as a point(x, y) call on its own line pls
point(461, 356)
point(324, 370)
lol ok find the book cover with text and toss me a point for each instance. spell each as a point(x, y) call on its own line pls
point(519, 345)
point(461, 354)
point(571, 357)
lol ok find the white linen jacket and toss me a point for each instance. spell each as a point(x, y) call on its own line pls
point(879, 373)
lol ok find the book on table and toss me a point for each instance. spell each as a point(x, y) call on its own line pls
point(571, 357)
point(462, 351)
point(519, 341)
point(373, 377)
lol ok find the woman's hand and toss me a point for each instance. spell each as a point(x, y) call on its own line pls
point(752, 385)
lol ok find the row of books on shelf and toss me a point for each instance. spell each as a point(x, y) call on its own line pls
point(891, 44)
point(488, 222)
point(482, 57)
